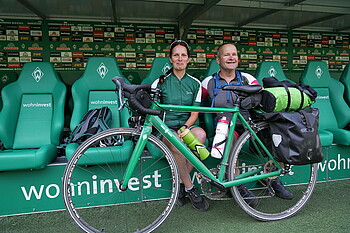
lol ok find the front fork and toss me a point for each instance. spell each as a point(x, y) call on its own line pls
point(135, 156)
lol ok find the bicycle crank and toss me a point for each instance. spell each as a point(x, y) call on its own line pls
point(211, 189)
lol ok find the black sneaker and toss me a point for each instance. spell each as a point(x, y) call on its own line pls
point(181, 198)
point(198, 202)
point(280, 190)
point(247, 195)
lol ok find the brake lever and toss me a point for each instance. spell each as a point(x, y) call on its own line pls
point(120, 97)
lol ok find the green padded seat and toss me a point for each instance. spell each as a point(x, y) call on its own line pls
point(6, 77)
point(95, 89)
point(270, 69)
point(334, 112)
point(208, 118)
point(345, 80)
point(212, 68)
point(32, 118)
point(160, 66)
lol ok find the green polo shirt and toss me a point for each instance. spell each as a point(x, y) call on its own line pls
point(185, 91)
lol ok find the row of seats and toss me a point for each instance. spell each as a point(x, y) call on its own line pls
point(32, 117)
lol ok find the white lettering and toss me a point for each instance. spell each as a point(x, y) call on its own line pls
point(322, 167)
point(147, 182)
point(111, 102)
point(57, 191)
point(156, 180)
point(45, 105)
point(94, 184)
point(133, 181)
point(329, 165)
point(32, 190)
point(110, 185)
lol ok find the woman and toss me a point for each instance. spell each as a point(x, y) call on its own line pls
point(180, 88)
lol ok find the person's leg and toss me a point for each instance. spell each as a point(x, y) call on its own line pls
point(186, 185)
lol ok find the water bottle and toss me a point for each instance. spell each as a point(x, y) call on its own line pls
point(219, 142)
point(194, 144)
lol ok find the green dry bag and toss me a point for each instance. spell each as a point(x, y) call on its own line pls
point(284, 99)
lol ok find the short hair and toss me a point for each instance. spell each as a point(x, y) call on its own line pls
point(218, 50)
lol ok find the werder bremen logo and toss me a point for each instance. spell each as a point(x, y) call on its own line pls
point(4, 78)
point(37, 74)
point(102, 70)
point(166, 67)
point(318, 72)
point(272, 72)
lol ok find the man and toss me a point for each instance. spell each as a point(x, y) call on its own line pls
point(227, 58)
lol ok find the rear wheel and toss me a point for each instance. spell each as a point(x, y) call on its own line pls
point(300, 180)
point(92, 178)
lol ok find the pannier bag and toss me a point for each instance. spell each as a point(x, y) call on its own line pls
point(284, 96)
point(294, 136)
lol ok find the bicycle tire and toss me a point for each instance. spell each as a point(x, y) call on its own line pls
point(300, 180)
point(91, 185)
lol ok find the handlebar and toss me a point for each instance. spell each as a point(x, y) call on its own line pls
point(135, 94)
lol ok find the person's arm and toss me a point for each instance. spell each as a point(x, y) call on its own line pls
point(191, 120)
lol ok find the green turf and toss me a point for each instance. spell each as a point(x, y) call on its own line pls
point(327, 211)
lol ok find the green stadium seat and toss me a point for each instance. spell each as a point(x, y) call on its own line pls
point(270, 69)
point(208, 118)
point(6, 77)
point(345, 80)
point(160, 66)
point(334, 112)
point(212, 68)
point(95, 89)
point(32, 118)
point(132, 77)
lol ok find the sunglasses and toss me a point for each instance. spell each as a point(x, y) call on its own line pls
point(179, 42)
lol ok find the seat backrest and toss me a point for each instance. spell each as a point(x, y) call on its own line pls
point(212, 68)
point(33, 108)
point(95, 89)
point(345, 80)
point(334, 112)
point(160, 66)
point(7, 77)
point(270, 69)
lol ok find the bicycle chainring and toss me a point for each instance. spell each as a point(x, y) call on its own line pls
point(271, 167)
point(212, 192)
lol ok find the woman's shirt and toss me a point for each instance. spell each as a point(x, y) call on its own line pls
point(185, 91)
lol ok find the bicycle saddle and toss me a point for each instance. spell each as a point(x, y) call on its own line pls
point(250, 89)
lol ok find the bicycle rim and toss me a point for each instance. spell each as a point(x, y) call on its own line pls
point(300, 180)
point(92, 178)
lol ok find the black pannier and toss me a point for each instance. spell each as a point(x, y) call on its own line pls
point(294, 136)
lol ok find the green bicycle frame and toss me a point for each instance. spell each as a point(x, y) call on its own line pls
point(155, 121)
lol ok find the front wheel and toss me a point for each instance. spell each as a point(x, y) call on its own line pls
point(247, 155)
point(92, 193)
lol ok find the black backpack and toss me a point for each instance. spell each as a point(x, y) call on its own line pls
point(93, 122)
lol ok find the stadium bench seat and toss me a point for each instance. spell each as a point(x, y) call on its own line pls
point(208, 118)
point(334, 112)
point(345, 80)
point(95, 89)
point(160, 66)
point(32, 118)
point(270, 69)
point(6, 77)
